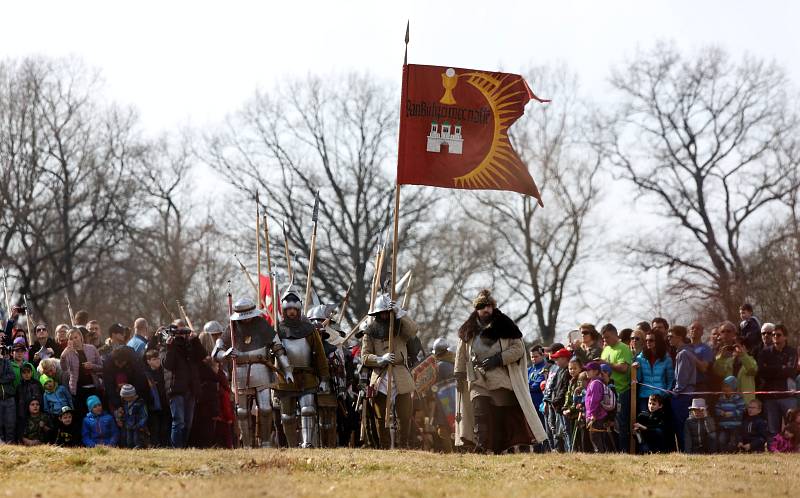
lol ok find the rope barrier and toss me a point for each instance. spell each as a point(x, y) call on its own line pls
point(788, 393)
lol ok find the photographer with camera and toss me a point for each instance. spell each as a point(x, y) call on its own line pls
point(181, 356)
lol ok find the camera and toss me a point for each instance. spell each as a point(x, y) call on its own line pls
point(174, 331)
point(22, 310)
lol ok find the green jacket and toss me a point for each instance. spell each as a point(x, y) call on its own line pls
point(723, 367)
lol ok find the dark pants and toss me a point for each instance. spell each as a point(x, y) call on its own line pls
point(159, 422)
point(402, 409)
point(182, 408)
point(775, 410)
point(680, 412)
point(624, 422)
point(727, 439)
point(82, 394)
point(8, 419)
point(602, 438)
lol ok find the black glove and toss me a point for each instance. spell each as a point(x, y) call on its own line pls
point(492, 362)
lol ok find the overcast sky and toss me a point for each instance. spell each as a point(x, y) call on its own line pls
point(192, 62)
point(189, 63)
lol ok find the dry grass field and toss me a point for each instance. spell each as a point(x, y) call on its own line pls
point(54, 472)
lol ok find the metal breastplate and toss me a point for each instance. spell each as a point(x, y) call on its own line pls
point(298, 351)
point(483, 349)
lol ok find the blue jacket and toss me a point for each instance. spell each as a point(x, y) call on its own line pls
point(135, 414)
point(732, 404)
point(536, 375)
point(99, 429)
point(660, 374)
point(54, 401)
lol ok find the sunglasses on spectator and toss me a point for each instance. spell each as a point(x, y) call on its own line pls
point(767, 333)
point(41, 328)
point(635, 339)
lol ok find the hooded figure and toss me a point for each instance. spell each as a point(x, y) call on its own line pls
point(495, 407)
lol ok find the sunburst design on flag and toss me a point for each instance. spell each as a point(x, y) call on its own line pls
point(500, 165)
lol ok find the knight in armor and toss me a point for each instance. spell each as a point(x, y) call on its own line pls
point(445, 362)
point(256, 345)
point(303, 346)
point(497, 414)
point(328, 401)
point(375, 353)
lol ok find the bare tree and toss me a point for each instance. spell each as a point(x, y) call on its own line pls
point(67, 164)
point(334, 136)
point(537, 250)
point(705, 140)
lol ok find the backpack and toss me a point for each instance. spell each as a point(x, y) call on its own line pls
point(609, 403)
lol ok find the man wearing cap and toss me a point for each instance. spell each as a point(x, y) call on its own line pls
point(253, 346)
point(117, 338)
point(306, 355)
point(375, 353)
point(495, 405)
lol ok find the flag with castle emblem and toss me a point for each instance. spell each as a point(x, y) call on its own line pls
point(454, 129)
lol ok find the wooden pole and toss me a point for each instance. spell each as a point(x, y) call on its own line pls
point(260, 303)
point(632, 414)
point(390, 417)
point(288, 256)
point(312, 255)
point(407, 292)
point(271, 310)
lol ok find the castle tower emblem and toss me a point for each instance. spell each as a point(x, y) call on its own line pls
point(452, 139)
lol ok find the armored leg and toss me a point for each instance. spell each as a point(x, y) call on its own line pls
point(245, 421)
point(308, 418)
point(264, 404)
point(289, 419)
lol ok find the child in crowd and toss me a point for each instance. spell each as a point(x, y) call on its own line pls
point(159, 418)
point(787, 440)
point(700, 434)
point(754, 433)
point(55, 397)
point(134, 420)
point(554, 397)
point(598, 420)
point(28, 389)
point(729, 410)
point(37, 426)
point(99, 428)
point(651, 426)
point(571, 410)
point(68, 431)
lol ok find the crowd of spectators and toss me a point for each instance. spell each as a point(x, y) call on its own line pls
point(733, 390)
point(136, 389)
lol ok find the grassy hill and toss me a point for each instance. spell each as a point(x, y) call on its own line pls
point(47, 472)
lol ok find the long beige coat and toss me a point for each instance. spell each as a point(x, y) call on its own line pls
point(372, 348)
point(517, 372)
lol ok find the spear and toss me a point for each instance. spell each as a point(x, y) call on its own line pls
point(184, 315)
point(312, 256)
point(172, 317)
point(246, 273)
point(234, 373)
point(29, 318)
point(269, 271)
point(258, 255)
point(340, 316)
point(69, 310)
point(5, 291)
point(288, 257)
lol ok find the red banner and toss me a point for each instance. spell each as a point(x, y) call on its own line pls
point(266, 296)
point(454, 129)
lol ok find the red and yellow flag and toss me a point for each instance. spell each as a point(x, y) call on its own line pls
point(454, 129)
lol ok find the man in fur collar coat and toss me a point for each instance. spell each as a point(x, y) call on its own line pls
point(497, 413)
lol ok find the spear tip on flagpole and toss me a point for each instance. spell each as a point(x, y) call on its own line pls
point(405, 57)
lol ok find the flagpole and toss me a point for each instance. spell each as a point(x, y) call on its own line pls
point(391, 418)
point(258, 255)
